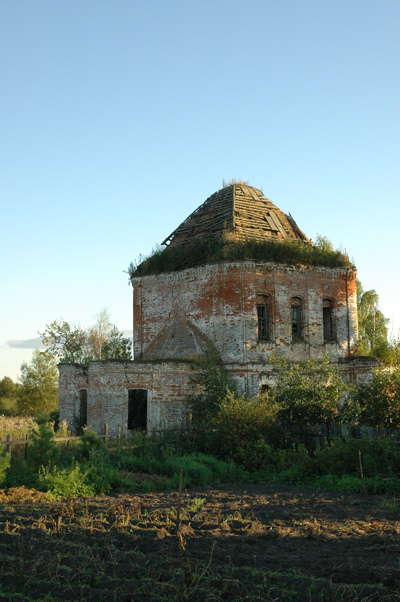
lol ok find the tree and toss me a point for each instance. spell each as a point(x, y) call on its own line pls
point(310, 391)
point(39, 384)
point(71, 344)
point(8, 396)
point(323, 243)
point(117, 346)
point(64, 342)
point(43, 451)
point(105, 341)
point(214, 381)
point(99, 334)
point(372, 324)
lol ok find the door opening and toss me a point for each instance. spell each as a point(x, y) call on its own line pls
point(137, 409)
point(82, 416)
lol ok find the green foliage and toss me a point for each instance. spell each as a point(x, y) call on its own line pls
point(67, 482)
point(380, 457)
point(65, 342)
point(4, 464)
point(242, 428)
point(373, 329)
point(199, 469)
point(323, 243)
point(103, 340)
point(214, 381)
point(378, 402)
point(89, 443)
point(117, 347)
point(8, 396)
point(102, 476)
point(39, 384)
point(308, 392)
point(200, 251)
point(43, 451)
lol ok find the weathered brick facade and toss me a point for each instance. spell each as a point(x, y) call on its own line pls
point(219, 303)
point(108, 383)
point(248, 310)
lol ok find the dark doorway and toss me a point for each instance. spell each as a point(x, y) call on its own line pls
point(82, 417)
point(137, 409)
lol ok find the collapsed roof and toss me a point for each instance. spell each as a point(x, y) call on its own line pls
point(239, 209)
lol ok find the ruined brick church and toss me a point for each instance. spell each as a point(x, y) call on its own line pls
point(247, 308)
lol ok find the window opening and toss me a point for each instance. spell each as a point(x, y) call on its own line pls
point(297, 334)
point(329, 334)
point(262, 315)
point(137, 409)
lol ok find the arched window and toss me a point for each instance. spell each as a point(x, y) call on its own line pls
point(328, 321)
point(263, 317)
point(296, 314)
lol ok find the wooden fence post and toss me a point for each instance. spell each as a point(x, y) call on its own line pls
point(8, 446)
point(179, 498)
point(361, 471)
point(26, 446)
point(105, 433)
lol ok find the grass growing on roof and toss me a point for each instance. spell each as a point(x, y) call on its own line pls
point(202, 251)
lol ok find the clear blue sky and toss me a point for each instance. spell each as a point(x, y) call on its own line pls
point(119, 118)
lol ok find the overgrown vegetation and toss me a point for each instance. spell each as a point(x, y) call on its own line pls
point(310, 391)
point(214, 381)
point(378, 402)
point(200, 251)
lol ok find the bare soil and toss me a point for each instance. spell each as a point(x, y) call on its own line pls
point(251, 542)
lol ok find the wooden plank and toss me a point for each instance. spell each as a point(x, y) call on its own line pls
point(278, 223)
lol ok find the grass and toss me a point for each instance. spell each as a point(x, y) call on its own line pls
point(205, 251)
point(16, 426)
point(20, 426)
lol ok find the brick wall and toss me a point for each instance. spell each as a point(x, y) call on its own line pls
point(107, 383)
point(220, 301)
point(176, 314)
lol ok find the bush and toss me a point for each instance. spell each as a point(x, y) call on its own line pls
point(242, 429)
point(379, 458)
point(88, 444)
point(67, 482)
point(102, 475)
point(379, 401)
